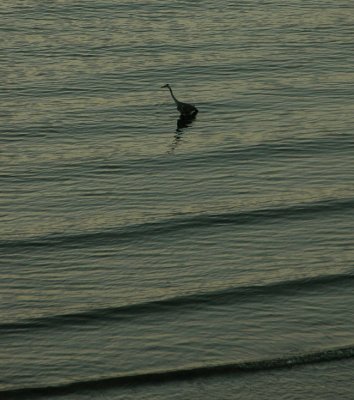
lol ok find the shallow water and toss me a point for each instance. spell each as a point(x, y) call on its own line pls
point(136, 256)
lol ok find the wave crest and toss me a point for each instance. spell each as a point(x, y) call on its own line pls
point(133, 232)
point(158, 377)
point(179, 303)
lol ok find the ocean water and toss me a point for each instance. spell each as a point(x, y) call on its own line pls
point(142, 259)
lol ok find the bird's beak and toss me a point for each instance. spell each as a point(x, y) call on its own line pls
point(163, 86)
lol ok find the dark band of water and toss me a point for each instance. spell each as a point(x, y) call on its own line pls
point(182, 303)
point(193, 221)
point(156, 377)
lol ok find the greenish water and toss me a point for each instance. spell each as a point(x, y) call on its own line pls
point(139, 260)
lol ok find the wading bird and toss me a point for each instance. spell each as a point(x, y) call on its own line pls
point(186, 110)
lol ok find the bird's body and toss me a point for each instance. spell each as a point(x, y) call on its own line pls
point(185, 109)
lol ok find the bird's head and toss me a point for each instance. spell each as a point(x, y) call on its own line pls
point(167, 85)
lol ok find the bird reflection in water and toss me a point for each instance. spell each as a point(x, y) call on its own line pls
point(183, 122)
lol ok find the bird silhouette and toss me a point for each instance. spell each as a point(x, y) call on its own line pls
point(186, 110)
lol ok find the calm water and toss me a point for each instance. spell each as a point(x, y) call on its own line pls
point(141, 261)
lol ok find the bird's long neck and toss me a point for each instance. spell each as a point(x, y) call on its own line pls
point(173, 96)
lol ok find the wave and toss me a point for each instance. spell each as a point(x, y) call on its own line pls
point(127, 233)
point(158, 377)
point(181, 303)
point(298, 147)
